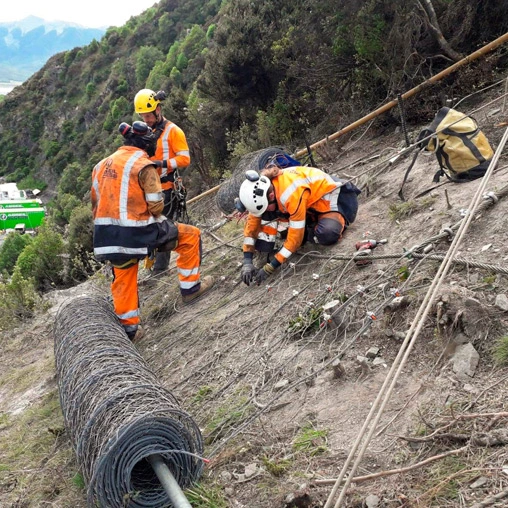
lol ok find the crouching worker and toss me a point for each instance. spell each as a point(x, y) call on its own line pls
point(127, 204)
point(319, 208)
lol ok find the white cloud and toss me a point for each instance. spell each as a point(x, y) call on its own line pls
point(90, 14)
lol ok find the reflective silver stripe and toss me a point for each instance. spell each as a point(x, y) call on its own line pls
point(118, 249)
point(249, 241)
point(188, 285)
point(297, 224)
point(266, 237)
point(183, 152)
point(298, 183)
point(303, 182)
point(95, 183)
point(173, 163)
point(124, 185)
point(188, 273)
point(165, 142)
point(127, 315)
point(285, 252)
point(332, 198)
point(154, 196)
point(130, 223)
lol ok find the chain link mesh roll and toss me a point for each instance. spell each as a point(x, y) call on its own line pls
point(116, 412)
point(228, 191)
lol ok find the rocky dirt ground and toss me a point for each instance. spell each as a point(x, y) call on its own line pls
point(281, 377)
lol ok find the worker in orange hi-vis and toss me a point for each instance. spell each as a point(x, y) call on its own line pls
point(171, 157)
point(127, 206)
point(318, 206)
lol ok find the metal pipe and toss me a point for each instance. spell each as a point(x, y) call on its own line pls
point(170, 485)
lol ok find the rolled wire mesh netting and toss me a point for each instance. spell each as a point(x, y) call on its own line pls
point(116, 412)
point(229, 190)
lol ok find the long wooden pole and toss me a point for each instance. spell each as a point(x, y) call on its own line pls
point(413, 91)
point(422, 86)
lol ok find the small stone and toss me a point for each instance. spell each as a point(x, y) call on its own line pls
point(372, 501)
point(465, 360)
point(502, 302)
point(479, 483)
point(372, 352)
point(379, 361)
point(251, 470)
point(280, 385)
point(486, 247)
point(226, 476)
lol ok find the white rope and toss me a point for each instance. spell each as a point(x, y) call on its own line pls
point(410, 339)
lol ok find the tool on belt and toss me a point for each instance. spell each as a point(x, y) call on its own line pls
point(365, 248)
point(149, 260)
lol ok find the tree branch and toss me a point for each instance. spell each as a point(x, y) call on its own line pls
point(435, 30)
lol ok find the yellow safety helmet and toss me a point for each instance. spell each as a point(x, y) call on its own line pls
point(146, 100)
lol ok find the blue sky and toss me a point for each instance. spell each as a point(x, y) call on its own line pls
point(90, 13)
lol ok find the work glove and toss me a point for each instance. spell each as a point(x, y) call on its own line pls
point(248, 272)
point(157, 163)
point(264, 273)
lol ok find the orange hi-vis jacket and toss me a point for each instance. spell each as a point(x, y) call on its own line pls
point(172, 149)
point(297, 190)
point(124, 228)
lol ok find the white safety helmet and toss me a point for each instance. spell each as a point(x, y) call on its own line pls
point(254, 193)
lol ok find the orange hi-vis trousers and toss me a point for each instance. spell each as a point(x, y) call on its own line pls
point(124, 288)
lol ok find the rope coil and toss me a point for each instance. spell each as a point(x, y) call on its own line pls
point(116, 413)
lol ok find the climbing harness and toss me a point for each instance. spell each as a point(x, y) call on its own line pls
point(179, 200)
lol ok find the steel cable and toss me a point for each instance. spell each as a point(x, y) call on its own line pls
point(116, 412)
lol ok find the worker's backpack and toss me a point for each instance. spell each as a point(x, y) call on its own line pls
point(462, 150)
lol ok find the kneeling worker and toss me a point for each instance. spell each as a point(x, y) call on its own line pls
point(127, 206)
point(319, 208)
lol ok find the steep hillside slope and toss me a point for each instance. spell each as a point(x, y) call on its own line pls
point(280, 390)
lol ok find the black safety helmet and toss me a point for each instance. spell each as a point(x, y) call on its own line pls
point(139, 135)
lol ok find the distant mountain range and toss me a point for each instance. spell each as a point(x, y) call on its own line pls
point(26, 45)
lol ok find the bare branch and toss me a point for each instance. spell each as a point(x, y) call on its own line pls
point(435, 30)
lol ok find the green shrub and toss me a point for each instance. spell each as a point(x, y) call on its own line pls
point(42, 259)
point(500, 351)
point(80, 244)
point(62, 207)
point(11, 249)
point(18, 300)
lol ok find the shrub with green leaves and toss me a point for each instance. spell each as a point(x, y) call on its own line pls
point(18, 300)
point(42, 259)
point(11, 249)
point(500, 350)
point(80, 244)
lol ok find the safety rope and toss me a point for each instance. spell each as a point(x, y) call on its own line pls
point(409, 341)
point(418, 255)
